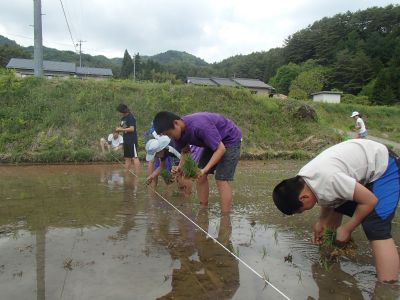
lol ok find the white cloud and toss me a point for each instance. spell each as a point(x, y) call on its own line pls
point(212, 30)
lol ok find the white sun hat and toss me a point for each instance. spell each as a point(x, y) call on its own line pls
point(156, 145)
point(355, 113)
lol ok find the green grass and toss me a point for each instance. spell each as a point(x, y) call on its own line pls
point(62, 120)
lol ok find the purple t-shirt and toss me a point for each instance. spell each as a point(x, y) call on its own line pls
point(207, 130)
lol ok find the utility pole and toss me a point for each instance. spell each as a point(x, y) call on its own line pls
point(134, 67)
point(38, 43)
point(80, 52)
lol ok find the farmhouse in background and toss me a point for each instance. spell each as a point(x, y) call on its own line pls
point(327, 96)
point(254, 85)
point(24, 67)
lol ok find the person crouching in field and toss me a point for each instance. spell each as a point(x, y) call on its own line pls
point(129, 130)
point(221, 140)
point(162, 155)
point(359, 178)
point(114, 142)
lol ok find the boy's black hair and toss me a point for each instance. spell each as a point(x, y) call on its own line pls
point(122, 108)
point(286, 195)
point(164, 120)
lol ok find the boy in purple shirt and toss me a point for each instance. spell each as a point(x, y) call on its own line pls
point(221, 140)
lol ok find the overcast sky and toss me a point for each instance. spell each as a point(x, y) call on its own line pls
point(210, 29)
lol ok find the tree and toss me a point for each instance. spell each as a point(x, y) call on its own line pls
point(127, 66)
point(307, 82)
point(284, 77)
point(138, 63)
point(11, 51)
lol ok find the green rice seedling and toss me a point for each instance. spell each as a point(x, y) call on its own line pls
point(331, 251)
point(264, 254)
point(328, 238)
point(189, 167)
point(167, 176)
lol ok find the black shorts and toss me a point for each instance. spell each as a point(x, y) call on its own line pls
point(374, 227)
point(130, 150)
point(378, 224)
point(225, 168)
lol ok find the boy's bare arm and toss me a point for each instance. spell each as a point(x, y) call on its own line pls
point(366, 202)
point(215, 158)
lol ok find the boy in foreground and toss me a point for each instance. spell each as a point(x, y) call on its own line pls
point(358, 178)
point(221, 140)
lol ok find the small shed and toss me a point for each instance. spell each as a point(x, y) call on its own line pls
point(327, 96)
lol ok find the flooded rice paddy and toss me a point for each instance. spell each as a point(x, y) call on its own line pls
point(97, 232)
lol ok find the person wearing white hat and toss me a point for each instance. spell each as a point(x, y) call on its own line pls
point(360, 125)
point(160, 148)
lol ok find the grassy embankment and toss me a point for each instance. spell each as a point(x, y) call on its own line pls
point(62, 120)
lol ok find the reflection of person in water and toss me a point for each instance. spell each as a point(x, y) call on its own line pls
point(333, 282)
point(129, 209)
point(215, 275)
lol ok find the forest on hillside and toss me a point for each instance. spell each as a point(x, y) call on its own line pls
point(354, 52)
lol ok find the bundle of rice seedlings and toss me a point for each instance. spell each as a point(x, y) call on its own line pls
point(331, 250)
point(189, 167)
point(167, 176)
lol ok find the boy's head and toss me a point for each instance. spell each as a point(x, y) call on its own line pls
point(293, 196)
point(168, 123)
point(115, 133)
point(122, 108)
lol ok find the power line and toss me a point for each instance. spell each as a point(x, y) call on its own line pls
point(69, 29)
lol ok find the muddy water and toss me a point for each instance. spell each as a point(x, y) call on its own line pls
point(96, 232)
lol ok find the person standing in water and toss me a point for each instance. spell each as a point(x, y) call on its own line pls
point(360, 125)
point(129, 130)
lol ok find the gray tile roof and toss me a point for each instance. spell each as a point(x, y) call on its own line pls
point(244, 82)
point(252, 83)
point(93, 71)
point(57, 66)
point(53, 66)
point(224, 81)
point(200, 81)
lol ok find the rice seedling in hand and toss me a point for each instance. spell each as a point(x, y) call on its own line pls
point(189, 167)
point(330, 248)
point(167, 176)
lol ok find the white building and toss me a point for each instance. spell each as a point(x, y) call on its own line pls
point(327, 96)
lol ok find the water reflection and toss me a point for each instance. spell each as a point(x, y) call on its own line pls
point(206, 270)
point(96, 232)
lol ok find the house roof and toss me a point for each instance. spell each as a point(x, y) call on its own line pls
point(54, 66)
point(252, 83)
point(327, 92)
point(245, 82)
point(224, 81)
point(200, 81)
point(94, 71)
point(57, 66)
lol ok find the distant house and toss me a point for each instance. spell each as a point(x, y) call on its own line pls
point(254, 85)
point(25, 67)
point(327, 96)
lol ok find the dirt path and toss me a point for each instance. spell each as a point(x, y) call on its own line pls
point(395, 145)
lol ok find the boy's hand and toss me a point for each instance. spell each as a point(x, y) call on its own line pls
point(342, 235)
point(317, 233)
point(201, 173)
point(119, 129)
point(175, 170)
point(149, 179)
